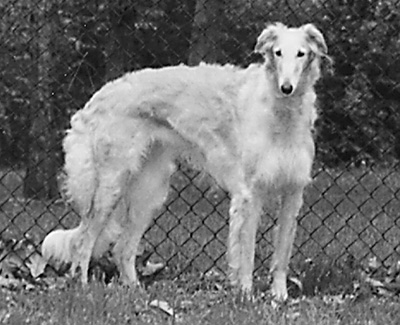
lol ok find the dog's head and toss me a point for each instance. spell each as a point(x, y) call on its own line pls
point(293, 55)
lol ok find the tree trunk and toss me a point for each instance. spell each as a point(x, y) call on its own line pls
point(205, 34)
point(41, 179)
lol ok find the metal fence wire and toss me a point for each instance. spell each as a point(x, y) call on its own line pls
point(55, 53)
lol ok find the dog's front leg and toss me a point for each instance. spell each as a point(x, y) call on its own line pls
point(244, 215)
point(284, 235)
point(248, 244)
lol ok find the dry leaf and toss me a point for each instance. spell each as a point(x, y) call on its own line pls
point(152, 268)
point(297, 282)
point(162, 305)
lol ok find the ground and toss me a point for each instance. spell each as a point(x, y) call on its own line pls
point(188, 301)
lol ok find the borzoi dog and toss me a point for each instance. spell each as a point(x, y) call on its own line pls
point(250, 129)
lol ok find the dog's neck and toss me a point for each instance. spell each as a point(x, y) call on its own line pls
point(293, 112)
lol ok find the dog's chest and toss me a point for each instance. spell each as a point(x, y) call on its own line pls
point(281, 161)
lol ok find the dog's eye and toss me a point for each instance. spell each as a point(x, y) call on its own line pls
point(278, 53)
point(300, 54)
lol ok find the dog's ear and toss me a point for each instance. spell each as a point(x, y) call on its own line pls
point(317, 43)
point(316, 40)
point(267, 38)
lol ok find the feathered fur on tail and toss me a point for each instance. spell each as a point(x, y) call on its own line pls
point(56, 248)
point(80, 183)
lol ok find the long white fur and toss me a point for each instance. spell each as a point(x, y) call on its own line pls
point(55, 247)
point(250, 129)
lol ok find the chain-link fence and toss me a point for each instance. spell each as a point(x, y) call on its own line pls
point(55, 53)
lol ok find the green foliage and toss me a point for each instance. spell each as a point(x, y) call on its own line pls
point(95, 41)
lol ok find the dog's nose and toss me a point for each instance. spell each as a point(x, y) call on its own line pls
point(287, 89)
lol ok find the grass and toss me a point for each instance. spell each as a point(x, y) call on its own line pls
point(349, 215)
point(191, 302)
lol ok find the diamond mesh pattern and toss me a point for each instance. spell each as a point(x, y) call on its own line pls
point(56, 53)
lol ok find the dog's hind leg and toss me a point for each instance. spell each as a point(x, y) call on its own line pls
point(107, 195)
point(284, 235)
point(147, 193)
point(102, 152)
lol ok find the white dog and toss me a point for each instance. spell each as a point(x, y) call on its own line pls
point(250, 129)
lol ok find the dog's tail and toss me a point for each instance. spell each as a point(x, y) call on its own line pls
point(56, 248)
point(80, 182)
